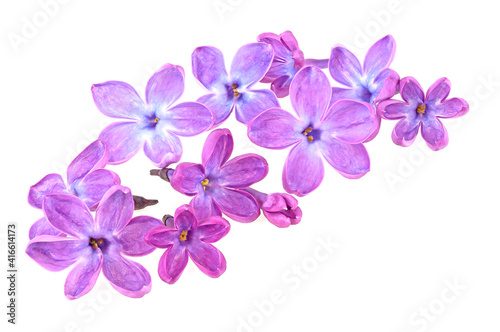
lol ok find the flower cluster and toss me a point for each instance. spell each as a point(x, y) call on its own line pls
point(88, 221)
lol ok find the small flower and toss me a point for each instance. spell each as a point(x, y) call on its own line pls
point(372, 83)
point(86, 179)
point(288, 60)
point(153, 125)
point(334, 132)
point(419, 111)
point(233, 91)
point(189, 238)
point(215, 182)
point(282, 210)
point(95, 244)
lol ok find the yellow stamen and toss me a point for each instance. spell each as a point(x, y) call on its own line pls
point(156, 120)
point(99, 242)
point(235, 89)
point(183, 236)
point(307, 131)
point(310, 139)
point(421, 108)
point(204, 183)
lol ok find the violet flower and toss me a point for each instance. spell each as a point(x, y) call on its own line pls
point(215, 182)
point(288, 60)
point(334, 132)
point(95, 244)
point(86, 179)
point(372, 83)
point(419, 111)
point(282, 210)
point(233, 91)
point(189, 238)
point(153, 125)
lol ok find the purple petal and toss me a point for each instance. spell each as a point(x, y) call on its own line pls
point(162, 236)
point(359, 94)
point(119, 100)
point(281, 52)
point(406, 130)
point(68, 214)
point(216, 150)
point(50, 184)
point(93, 157)
point(281, 86)
point(394, 109)
point(93, 186)
point(184, 218)
point(123, 139)
point(115, 210)
point(451, 108)
point(282, 210)
point(127, 277)
point(172, 263)
point(211, 229)
point(411, 91)
point(350, 160)
point(187, 178)
point(251, 103)
point(208, 258)
point(384, 86)
point(131, 237)
point(83, 276)
point(42, 227)
point(209, 68)
point(345, 67)
point(275, 129)
point(242, 171)
point(250, 64)
point(237, 205)
point(303, 170)
point(187, 119)
point(164, 87)
point(55, 253)
point(220, 104)
point(434, 133)
point(163, 148)
point(310, 94)
point(438, 91)
point(204, 206)
point(349, 121)
point(379, 57)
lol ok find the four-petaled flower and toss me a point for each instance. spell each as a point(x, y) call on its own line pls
point(154, 124)
point(86, 179)
point(189, 238)
point(334, 132)
point(282, 210)
point(215, 182)
point(233, 91)
point(372, 83)
point(288, 60)
point(419, 110)
point(95, 244)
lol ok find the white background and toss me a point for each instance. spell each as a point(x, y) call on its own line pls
point(401, 242)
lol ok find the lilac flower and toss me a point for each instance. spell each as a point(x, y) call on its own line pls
point(233, 91)
point(282, 210)
point(86, 179)
point(288, 60)
point(419, 111)
point(334, 132)
point(372, 83)
point(155, 124)
point(215, 181)
point(95, 244)
point(189, 238)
